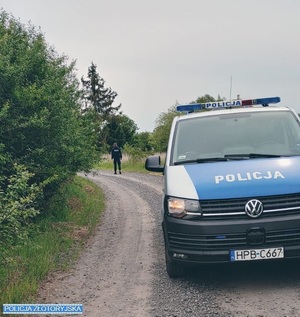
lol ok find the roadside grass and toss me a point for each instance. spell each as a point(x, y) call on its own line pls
point(128, 164)
point(57, 236)
point(55, 240)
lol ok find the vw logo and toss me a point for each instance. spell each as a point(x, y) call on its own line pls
point(254, 208)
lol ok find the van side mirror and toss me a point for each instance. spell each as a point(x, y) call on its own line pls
point(152, 164)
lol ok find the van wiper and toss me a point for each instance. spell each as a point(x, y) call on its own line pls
point(249, 156)
point(227, 157)
point(202, 160)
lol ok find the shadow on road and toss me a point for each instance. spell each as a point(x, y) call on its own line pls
point(258, 272)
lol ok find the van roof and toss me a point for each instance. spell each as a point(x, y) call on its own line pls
point(206, 113)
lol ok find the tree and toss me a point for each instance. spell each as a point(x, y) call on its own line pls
point(41, 125)
point(120, 129)
point(160, 135)
point(142, 141)
point(98, 102)
point(44, 140)
point(96, 96)
point(205, 98)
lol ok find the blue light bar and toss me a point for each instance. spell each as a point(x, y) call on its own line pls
point(189, 108)
point(227, 104)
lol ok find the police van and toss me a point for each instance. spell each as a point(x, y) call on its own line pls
point(231, 184)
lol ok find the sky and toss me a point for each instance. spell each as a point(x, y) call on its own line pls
point(158, 53)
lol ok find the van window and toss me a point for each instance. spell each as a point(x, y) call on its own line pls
point(270, 132)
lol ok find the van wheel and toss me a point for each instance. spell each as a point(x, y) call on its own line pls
point(174, 269)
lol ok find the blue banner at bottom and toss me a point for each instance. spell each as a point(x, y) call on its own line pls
point(69, 309)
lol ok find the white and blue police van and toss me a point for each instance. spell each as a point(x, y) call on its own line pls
point(231, 184)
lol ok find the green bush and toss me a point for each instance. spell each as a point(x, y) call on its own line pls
point(17, 206)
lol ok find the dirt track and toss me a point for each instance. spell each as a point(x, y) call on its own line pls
point(122, 273)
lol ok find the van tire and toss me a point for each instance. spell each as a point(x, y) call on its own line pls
point(174, 269)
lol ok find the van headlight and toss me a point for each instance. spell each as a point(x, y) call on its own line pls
point(179, 208)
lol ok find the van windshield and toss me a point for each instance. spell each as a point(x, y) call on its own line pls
point(236, 136)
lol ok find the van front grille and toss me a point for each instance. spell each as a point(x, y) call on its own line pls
point(278, 205)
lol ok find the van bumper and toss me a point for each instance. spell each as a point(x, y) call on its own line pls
point(203, 241)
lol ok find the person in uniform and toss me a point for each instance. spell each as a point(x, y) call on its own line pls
point(116, 155)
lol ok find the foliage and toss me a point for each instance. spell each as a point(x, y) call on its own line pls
point(133, 153)
point(96, 96)
point(41, 126)
point(71, 217)
point(160, 135)
point(98, 101)
point(205, 98)
point(44, 139)
point(120, 129)
point(18, 202)
point(131, 162)
point(142, 141)
point(110, 125)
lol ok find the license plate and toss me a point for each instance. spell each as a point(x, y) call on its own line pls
point(256, 254)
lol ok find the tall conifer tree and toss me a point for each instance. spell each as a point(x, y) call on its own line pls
point(96, 96)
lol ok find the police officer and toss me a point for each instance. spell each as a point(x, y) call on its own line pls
point(116, 155)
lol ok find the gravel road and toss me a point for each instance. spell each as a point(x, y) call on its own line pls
point(122, 273)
